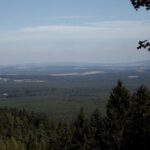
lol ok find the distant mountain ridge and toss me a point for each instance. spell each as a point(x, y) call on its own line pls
point(70, 68)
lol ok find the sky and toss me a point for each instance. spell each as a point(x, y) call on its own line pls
point(93, 31)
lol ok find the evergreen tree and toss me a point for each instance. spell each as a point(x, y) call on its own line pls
point(137, 128)
point(126, 126)
point(80, 139)
point(117, 107)
point(96, 130)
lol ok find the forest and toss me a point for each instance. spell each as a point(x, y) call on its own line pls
point(61, 97)
point(38, 104)
point(126, 126)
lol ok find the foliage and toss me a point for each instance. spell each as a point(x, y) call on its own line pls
point(137, 131)
point(144, 44)
point(126, 126)
point(141, 3)
point(117, 108)
point(146, 4)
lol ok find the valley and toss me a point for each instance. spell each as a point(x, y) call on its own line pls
point(62, 91)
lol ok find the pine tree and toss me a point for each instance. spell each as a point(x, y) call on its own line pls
point(137, 128)
point(96, 130)
point(117, 107)
point(80, 140)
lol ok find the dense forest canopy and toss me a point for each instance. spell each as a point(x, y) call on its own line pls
point(126, 126)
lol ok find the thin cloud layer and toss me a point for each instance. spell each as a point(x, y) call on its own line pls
point(113, 41)
point(69, 17)
point(98, 30)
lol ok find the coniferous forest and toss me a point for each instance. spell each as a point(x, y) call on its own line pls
point(56, 56)
point(125, 126)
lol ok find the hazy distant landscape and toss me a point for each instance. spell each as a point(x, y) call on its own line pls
point(61, 90)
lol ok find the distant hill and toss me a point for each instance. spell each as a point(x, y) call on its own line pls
point(69, 68)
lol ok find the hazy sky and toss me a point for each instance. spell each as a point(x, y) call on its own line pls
point(71, 31)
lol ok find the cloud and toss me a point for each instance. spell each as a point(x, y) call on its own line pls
point(69, 17)
point(100, 30)
point(126, 29)
point(56, 28)
point(97, 41)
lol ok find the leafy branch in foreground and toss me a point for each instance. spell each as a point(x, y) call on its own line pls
point(144, 44)
point(141, 3)
point(146, 4)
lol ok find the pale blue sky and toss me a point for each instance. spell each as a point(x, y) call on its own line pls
point(71, 30)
